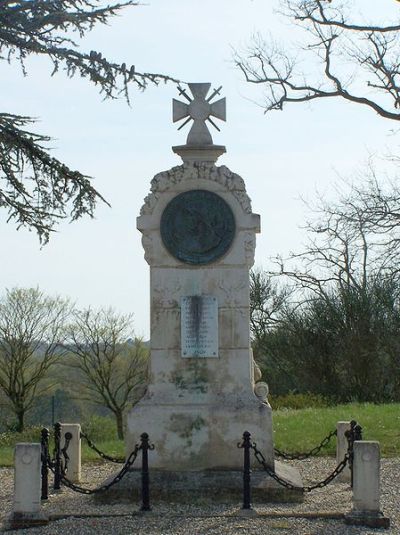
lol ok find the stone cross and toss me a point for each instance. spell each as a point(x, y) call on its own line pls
point(200, 109)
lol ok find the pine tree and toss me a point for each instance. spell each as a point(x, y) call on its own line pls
point(36, 189)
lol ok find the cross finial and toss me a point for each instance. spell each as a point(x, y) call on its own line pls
point(200, 109)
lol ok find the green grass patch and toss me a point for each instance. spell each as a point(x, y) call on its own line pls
point(295, 430)
point(301, 430)
point(114, 448)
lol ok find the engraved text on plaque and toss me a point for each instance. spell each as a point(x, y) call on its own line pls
point(199, 326)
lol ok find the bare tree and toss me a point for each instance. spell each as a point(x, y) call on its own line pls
point(351, 242)
point(37, 189)
point(343, 319)
point(268, 310)
point(267, 301)
point(111, 363)
point(359, 63)
point(31, 334)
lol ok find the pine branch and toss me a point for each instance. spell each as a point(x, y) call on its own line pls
point(43, 28)
point(37, 189)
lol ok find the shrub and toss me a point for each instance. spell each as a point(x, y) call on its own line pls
point(299, 401)
point(30, 434)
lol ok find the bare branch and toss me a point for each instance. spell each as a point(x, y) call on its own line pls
point(111, 363)
point(373, 52)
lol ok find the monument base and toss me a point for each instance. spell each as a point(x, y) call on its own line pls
point(201, 436)
point(369, 519)
point(25, 520)
point(221, 486)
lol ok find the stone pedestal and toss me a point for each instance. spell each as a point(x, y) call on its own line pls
point(196, 409)
point(26, 507)
point(199, 236)
point(366, 487)
point(342, 446)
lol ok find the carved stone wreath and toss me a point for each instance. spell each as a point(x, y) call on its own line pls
point(192, 171)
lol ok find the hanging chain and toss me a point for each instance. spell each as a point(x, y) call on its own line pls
point(261, 459)
point(127, 465)
point(101, 453)
point(64, 450)
point(311, 453)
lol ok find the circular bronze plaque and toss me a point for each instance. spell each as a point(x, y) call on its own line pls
point(197, 227)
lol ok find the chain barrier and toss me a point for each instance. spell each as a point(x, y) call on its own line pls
point(339, 468)
point(144, 447)
point(82, 490)
point(64, 450)
point(306, 455)
point(352, 434)
point(99, 452)
point(247, 444)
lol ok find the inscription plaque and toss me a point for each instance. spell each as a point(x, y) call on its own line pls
point(199, 326)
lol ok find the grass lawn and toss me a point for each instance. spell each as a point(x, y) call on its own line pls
point(301, 430)
point(295, 430)
point(115, 448)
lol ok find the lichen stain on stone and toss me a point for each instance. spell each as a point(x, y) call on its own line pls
point(193, 377)
point(185, 426)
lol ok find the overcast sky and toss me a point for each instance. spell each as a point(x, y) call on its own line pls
point(281, 156)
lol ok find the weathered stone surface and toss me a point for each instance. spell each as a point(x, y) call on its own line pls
point(26, 507)
point(366, 486)
point(199, 436)
point(27, 478)
point(341, 450)
point(366, 476)
point(196, 412)
point(196, 409)
point(74, 450)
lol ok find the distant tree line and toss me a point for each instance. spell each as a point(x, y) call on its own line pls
point(327, 319)
point(48, 348)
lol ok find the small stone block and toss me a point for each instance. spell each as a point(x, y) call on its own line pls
point(27, 463)
point(25, 520)
point(366, 477)
point(370, 520)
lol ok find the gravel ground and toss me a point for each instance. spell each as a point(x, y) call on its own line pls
point(169, 519)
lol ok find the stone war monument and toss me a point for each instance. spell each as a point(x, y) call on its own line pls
point(199, 236)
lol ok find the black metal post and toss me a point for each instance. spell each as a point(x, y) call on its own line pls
point(354, 433)
point(57, 456)
point(246, 470)
point(144, 446)
point(53, 409)
point(44, 441)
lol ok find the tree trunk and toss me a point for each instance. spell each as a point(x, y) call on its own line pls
point(20, 420)
point(120, 426)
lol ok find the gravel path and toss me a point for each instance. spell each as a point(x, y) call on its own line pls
point(171, 519)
